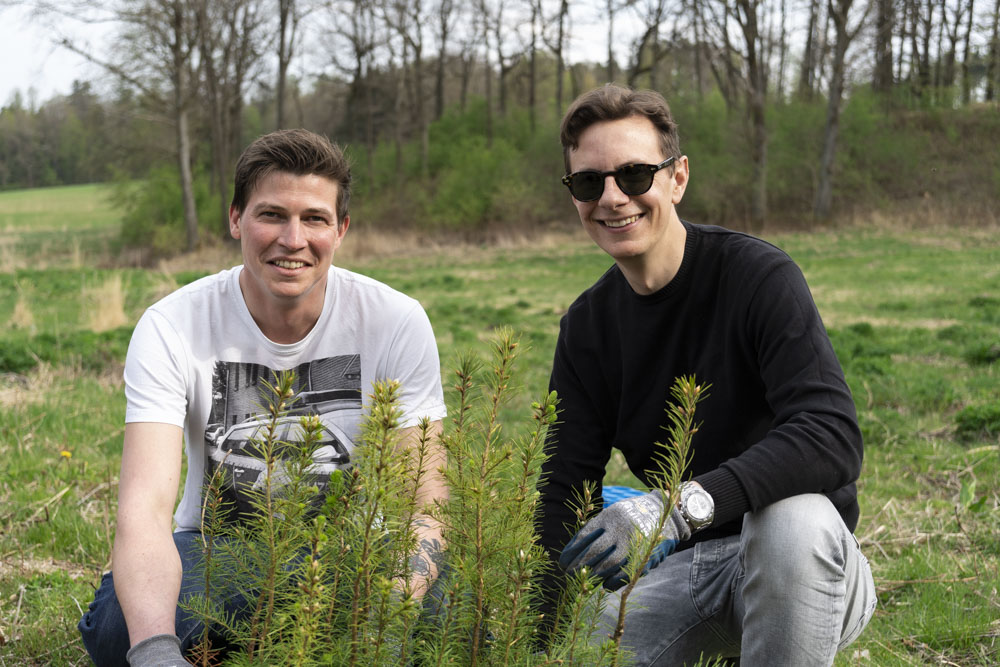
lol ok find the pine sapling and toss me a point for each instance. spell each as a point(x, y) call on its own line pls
point(672, 460)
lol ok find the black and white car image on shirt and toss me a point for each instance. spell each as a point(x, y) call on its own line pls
point(239, 451)
point(328, 389)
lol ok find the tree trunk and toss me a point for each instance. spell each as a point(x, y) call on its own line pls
point(286, 41)
point(904, 23)
point(421, 113)
point(953, 30)
point(468, 62)
point(824, 188)
point(610, 6)
point(533, 66)
point(804, 90)
point(756, 95)
point(699, 47)
point(187, 180)
point(937, 73)
point(966, 83)
point(488, 72)
point(782, 51)
point(179, 54)
point(993, 61)
point(882, 76)
point(444, 29)
point(923, 49)
point(218, 142)
point(502, 67)
point(560, 65)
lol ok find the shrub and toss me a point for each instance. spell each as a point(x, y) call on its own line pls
point(978, 421)
point(982, 354)
point(153, 210)
point(326, 580)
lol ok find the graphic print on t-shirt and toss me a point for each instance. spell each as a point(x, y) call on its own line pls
point(328, 388)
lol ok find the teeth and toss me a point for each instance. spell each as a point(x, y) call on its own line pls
point(285, 264)
point(615, 224)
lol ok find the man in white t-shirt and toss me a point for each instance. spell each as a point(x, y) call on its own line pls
point(194, 383)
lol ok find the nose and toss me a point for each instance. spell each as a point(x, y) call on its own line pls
point(612, 195)
point(292, 233)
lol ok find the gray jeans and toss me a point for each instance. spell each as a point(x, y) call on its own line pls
point(792, 589)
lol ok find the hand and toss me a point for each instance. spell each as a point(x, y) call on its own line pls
point(603, 543)
point(157, 651)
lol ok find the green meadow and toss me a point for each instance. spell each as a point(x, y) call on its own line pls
point(914, 314)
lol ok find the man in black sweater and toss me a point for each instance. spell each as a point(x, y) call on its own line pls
point(757, 556)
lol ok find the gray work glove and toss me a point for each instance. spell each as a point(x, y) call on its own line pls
point(602, 544)
point(157, 651)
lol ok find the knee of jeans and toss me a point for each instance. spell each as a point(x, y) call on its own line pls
point(102, 627)
point(793, 529)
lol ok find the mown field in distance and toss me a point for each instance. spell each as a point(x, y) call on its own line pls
point(913, 313)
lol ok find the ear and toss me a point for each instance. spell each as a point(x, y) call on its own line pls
point(681, 175)
point(234, 222)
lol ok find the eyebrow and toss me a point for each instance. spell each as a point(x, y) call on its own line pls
point(262, 206)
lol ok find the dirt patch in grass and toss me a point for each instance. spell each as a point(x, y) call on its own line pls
point(838, 320)
point(24, 568)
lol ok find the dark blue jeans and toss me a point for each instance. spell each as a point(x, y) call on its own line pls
point(103, 628)
point(105, 634)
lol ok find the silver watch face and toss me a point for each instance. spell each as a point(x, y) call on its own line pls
point(698, 506)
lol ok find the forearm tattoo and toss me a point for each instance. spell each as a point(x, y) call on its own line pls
point(429, 550)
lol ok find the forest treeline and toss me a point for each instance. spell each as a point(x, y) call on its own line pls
point(791, 111)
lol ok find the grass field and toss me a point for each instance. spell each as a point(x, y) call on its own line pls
point(913, 313)
point(60, 226)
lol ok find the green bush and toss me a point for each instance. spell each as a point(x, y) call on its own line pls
point(153, 210)
point(978, 421)
point(795, 143)
point(983, 354)
point(879, 157)
point(719, 161)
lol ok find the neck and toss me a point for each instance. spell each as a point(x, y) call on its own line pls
point(285, 321)
point(653, 270)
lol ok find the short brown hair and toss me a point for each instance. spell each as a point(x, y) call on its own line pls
point(613, 102)
point(298, 152)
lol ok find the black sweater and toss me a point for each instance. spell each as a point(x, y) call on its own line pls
point(779, 419)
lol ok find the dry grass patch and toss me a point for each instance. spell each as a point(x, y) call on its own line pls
point(26, 567)
point(105, 304)
point(209, 257)
point(19, 390)
point(44, 381)
point(937, 217)
point(22, 317)
point(10, 260)
point(838, 320)
point(163, 283)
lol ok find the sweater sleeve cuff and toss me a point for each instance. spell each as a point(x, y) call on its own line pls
point(730, 499)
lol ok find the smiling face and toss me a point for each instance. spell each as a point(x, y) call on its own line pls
point(289, 233)
point(642, 233)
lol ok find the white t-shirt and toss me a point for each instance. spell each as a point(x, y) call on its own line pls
point(198, 360)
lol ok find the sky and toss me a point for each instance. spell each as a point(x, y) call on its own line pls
point(30, 58)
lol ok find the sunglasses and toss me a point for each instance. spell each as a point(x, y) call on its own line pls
point(632, 179)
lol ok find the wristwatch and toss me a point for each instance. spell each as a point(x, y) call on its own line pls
point(696, 506)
